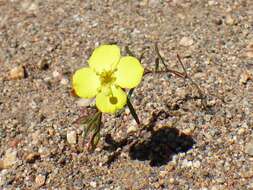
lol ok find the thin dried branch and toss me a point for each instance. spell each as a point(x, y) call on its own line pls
point(200, 92)
point(183, 75)
point(179, 74)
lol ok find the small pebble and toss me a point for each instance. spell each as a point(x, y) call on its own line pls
point(84, 102)
point(14, 143)
point(33, 7)
point(241, 131)
point(186, 163)
point(229, 20)
point(163, 173)
point(35, 137)
point(186, 41)
point(10, 158)
point(17, 73)
point(212, 2)
point(250, 186)
point(170, 167)
point(127, 111)
point(1, 164)
point(153, 3)
point(181, 16)
point(40, 180)
point(132, 129)
point(64, 81)
point(43, 65)
point(196, 164)
point(71, 137)
point(187, 131)
point(3, 175)
point(29, 6)
point(214, 187)
point(249, 148)
point(56, 74)
point(93, 184)
point(245, 76)
point(220, 180)
point(247, 174)
point(51, 132)
point(31, 157)
point(249, 50)
point(218, 21)
point(156, 185)
point(171, 180)
point(249, 54)
point(208, 117)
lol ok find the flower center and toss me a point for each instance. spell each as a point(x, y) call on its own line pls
point(107, 78)
point(113, 100)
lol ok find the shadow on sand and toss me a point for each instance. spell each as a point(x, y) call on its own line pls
point(161, 146)
point(156, 146)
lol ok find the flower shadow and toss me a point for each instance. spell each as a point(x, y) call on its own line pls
point(162, 144)
point(154, 145)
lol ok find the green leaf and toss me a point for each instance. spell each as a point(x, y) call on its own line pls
point(91, 124)
point(86, 130)
point(96, 140)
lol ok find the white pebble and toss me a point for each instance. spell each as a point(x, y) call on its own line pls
point(249, 148)
point(196, 164)
point(85, 102)
point(71, 137)
point(10, 159)
point(186, 41)
point(56, 74)
point(64, 81)
point(17, 73)
point(93, 184)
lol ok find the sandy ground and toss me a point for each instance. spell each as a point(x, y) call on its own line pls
point(42, 43)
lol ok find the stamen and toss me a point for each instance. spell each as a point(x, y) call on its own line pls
point(107, 77)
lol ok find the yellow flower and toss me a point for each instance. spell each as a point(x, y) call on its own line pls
point(105, 77)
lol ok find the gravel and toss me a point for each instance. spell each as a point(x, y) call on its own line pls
point(42, 43)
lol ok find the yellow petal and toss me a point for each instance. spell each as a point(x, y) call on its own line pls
point(104, 58)
point(129, 72)
point(86, 83)
point(110, 103)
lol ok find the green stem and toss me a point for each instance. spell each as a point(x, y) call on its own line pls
point(132, 111)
